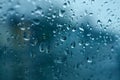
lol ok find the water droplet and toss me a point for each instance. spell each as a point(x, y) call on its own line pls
point(66, 52)
point(26, 39)
point(64, 5)
point(112, 48)
point(22, 28)
point(109, 21)
point(89, 60)
point(92, 1)
point(81, 29)
point(38, 11)
point(99, 22)
point(63, 38)
point(87, 44)
point(17, 5)
point(90, 14)
point(36, 21)
point(61, 13)
point(44, 48)
point(79, 43)
point(54, 15)
point(73, 44)
point(26, 36)
point(74, 29)
point(22, 17)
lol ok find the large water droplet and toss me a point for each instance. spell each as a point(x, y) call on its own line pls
point(61, 13)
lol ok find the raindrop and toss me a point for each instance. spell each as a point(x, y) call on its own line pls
point(54, 15)
point(89, 60)
point(87, 44)
point(74, 29)
point(112, 49)
point(26, 36)
point(92, 1)
point(63, 38)
point(99, 22)
point(73, 44)
point(81, 29)
point(22, 28)
point(61, 13)
point(66, 52)
point(26, 39)
point(36, 21)
point(79, 43)
point(89, 35)
point(68, 27)
point(109, 21)
point(22, 17)
point(42, 47)
point(90, 14)
point(64, 5)
point(17, 5)
point(38, 11)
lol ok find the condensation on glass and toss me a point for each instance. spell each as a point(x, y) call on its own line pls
point(59, 40)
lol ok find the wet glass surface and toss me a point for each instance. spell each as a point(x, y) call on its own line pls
point(59, 40)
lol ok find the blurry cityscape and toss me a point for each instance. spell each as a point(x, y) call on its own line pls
point(59, 40)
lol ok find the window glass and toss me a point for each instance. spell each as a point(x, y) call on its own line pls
point(59, 40)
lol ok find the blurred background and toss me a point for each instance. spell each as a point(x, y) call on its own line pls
point(59, 40)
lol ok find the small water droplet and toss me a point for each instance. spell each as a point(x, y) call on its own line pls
point(22, 28)
point(79, 43)
point(90, 14)
point(92, 1)
point(74, 29)
point(43, 48)
point(109, 21)
point(86, 44)
point(112, 49)
point(54, 15)
point(99, 22)
point(66, 52)
point(17, 5)
point(89, 60)
point(73, 44)
point(63, 38)
point(81, 29)
point(26, 39)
